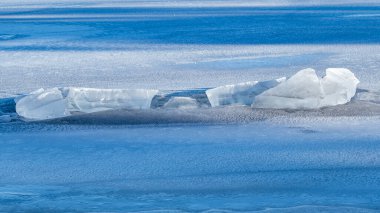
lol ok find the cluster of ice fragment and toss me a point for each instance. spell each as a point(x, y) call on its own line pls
point(61, 102)
point(304, 90)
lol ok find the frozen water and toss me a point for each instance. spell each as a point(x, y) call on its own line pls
point(338, 86)
point(239, 94)
point(305, 90)
point(302, 90)
point(5, 118)
point(278, 163)
point(43, 104)
point(368, 96)
point(60, 102)
point(222, 159)
point(181, 103)
point(83, 45)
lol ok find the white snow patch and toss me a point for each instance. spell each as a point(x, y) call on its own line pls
point(60, 102)
point(239, 94)
point(305, 90)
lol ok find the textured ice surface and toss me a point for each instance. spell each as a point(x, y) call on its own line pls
point(368, 96)
point(15, 4)
point(107, 47)
point(5, 118)
point(60, 102)
point(180, 67)
point(305, 90)
point(327, 162)
point(239, 94)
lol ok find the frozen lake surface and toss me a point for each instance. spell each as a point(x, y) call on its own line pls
point(184, 47)
point(223, 160)
point(329, 163)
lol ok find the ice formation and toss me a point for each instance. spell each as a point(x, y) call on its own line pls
point(305, 90)
point(61, 102)
point(239, 94)
point(181, 103)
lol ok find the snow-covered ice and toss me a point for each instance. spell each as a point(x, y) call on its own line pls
point(278, 163)
point(305, 90)
point(175, 157)
point(368, 96)
point(60, 102)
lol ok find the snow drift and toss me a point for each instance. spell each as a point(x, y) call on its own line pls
point(60, 102)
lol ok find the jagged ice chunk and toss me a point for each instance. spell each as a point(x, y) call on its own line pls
point(239, 94)
point(305, 90)
point(61, 102)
